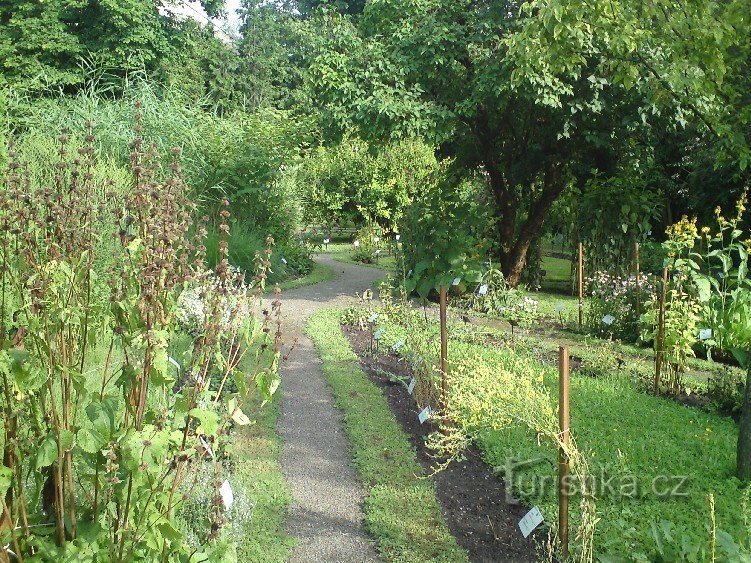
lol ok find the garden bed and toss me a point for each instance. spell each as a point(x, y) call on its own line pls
point(472, 498)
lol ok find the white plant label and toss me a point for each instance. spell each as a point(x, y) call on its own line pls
point(228, 498)
point(326, 241)
point(559, 308)
point(173, 361)
point(356, 243)
point(378, 251)
point(379, 334)
point(425, 414)
point(398, 237)
point(531, 520)
point(372, 318)
point(284, 260)
point(483, 290)
point(398, 346)
point(608, 319)
point(456, 281)
point(376, 239)
point(411, 386)
point(409, 273)
point(705, 334)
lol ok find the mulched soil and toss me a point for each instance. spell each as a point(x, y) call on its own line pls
point(472, 498)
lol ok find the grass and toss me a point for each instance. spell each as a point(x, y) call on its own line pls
point(342, 252)
point(401, 511)
point(629, 435)
point(319, 273)
point(256, 451)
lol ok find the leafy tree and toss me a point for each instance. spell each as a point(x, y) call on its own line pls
point(441, 70)
point(37, 47)
point(269, 54)
point(42, 45)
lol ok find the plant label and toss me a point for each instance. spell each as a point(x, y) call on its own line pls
point(411, 386)
point(409, 274)
point(356, 244)
point(559, 308)
point(372, 318)
point(425, 414)
point(531, 520)
point(398, 237)
point(326, 241)
point(228, 498)
point(705, 334)
point(173, 361)
point(376, 239)
point(608, 319)
point(398, 346)
point(378, 251)
point(456, 281)
point(483, 290)
point(379, 334)
point(284, 260)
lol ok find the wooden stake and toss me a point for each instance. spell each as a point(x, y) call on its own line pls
point(444, 344)
point(580, 274)
point(563, 462)
point(661, 332)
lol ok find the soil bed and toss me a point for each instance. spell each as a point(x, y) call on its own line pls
point(472, 498)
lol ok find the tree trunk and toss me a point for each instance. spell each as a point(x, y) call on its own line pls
point(743, 463)
point(516, 259)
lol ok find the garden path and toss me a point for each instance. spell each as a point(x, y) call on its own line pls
point(325, 515)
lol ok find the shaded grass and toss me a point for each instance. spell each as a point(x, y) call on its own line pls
point(256, 451)
point(319, 273)
point(342, 252)
point(401, 511)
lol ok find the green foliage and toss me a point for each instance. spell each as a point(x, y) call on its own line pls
point(613, 216)
point(441, 233)
point(401, 511)
point(354, 182)
point(134, 426)
point(608, 421)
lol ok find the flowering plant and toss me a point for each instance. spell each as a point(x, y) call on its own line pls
point(612, 308)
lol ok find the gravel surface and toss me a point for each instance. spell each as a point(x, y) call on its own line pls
point(325, 515)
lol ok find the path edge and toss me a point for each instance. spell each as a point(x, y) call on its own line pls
point(401, 512)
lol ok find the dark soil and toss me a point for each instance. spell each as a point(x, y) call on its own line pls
point(472, 498)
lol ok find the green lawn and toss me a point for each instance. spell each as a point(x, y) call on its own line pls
point(318, 274)
point(258, 477)
point(342, 252)
point(625, 434)
point(401, 511)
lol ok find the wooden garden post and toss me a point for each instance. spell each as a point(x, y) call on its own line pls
point(444, 344)
point(580, 274)
point(661, 332)
point(563, 461)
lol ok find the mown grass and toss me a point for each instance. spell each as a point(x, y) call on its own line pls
point(401, 511)
point(256, 452)
point(342, 252)
point(628, 435)
point(320, 273)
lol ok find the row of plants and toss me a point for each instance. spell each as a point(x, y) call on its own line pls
point(125, 361)
point(501, 397)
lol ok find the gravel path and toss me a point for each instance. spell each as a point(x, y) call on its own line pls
point(326, 514)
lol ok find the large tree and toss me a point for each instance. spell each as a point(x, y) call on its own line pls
point(440, 69)
point(535, 94)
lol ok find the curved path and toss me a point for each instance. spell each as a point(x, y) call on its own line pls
point(325, 516)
